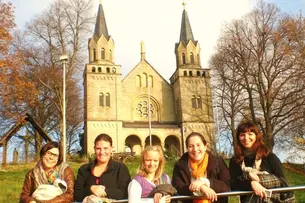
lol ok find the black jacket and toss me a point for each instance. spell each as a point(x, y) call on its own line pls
point(116, 179)
point(271, 164)
point(217, 173)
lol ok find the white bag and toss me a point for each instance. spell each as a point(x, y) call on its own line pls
point(47, 192)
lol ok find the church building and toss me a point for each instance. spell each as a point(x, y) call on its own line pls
point(143, 108)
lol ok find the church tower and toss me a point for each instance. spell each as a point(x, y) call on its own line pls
point(101, 84)
point(192, 86)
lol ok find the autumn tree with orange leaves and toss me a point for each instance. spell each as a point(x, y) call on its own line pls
point(14, 88)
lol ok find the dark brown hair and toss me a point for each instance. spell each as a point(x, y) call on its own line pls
point(51, 145)
point(259, 146)
point(193, 134)
point(103, 137)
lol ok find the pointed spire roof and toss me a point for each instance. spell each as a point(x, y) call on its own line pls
point(186, 33)
point(100, 25)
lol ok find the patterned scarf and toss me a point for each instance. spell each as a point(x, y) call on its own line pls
point(41, 177)
point(198, 171)
point(164, 179)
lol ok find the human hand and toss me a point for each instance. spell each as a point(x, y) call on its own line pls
point(32, 201)
point(209, 192)
point(258, 189)
point(157, 197)
point(98, 190)
point(167, 198)
point(253, 176)
point(195, 186)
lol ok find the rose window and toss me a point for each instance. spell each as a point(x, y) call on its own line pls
point(143, 108)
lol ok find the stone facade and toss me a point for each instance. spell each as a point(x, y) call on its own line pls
point(120, 106)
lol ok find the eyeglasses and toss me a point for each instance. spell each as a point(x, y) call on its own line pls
point(50, 154)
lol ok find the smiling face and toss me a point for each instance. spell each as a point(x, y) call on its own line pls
point(247, 139)
point(102, 151)
point(196, 148)
point(151, 162)
point(50, 158)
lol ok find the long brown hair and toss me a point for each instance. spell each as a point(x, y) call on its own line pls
point(141, 170)
point(259, 147)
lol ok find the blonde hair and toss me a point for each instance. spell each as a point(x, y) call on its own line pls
point(141, 169)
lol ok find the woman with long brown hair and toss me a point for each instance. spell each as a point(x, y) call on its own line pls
point(252, 159)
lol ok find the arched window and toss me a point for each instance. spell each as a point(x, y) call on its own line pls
point(194, 103)
point(199, 102)
point(99, 69)
point(108, 70)
point(198, 58)
point(113, 70)
point(191, 73)
point(185, 73)
point(108, 99)
point(183, 59)
point(203, 74)
point(144, 80)
point(110, 55)
point(101, 99)
point(192, 58)
point(94, 55)
point(103, 53)
point(198, 73)
point(138, 81)
point(150, 81)
point(93, 69)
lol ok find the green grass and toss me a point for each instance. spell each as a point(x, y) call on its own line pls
point(12, 177)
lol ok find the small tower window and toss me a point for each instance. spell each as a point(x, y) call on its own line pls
point(93, 69)
point(101, 99)
point(103, 53)
point(191, 73)
point(192, 58)
point(108, 99)
point(99, 69)
point(199, 102)
point(185, 73)
point(108, 70)
point(198, 58)
point(113, 70)
point(110, 55)
point(94, 55)
point(203, 74)
point(194, 105)
point(183, 59)
point(198, 73)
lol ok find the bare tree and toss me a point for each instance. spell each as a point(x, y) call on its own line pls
point(60, 29)
point(262, 73)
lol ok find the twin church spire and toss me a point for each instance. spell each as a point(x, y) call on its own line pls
point(186, 35)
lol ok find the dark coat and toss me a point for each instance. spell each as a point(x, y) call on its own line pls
point(29, 188)
point(271, 164)
point(217, 173)
point(116, 179)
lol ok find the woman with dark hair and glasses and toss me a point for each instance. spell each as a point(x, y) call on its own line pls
point(50, 180)
point(200, 173)
point(102, 178)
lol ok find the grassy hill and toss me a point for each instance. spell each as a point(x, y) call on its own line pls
point(12, 177)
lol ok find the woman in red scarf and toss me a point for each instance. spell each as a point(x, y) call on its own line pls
point(199, 173)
